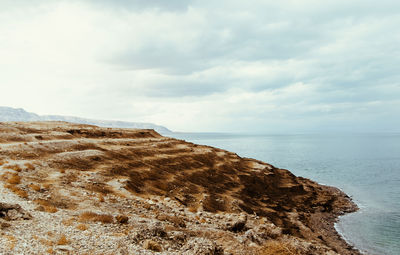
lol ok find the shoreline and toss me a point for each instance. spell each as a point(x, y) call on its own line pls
point(185, 195)
point(343, 236)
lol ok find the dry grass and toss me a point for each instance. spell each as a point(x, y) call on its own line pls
point(62, 240)
point(29, 166)
point(192, 209)
point(82, 227)
point(175, 220)
point(122, 219)
point(14, 179)
point(152, 245)
point(46, 242)
point(47, 186)
point(45, 206)
point(34, 187)
point(68, 222)
point(16, 168)
point(12, 241)
point(276, 247)
point(94, 217)
point(16, 190)
point(101, 198)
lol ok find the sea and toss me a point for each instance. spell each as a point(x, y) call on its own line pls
point(364, 166)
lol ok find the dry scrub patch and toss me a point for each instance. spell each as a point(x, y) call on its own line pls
point(62, 240)
point(82, 227)
point(278, 247)
point(94, 217)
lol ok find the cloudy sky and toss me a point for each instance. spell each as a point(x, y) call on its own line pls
point(203, 65)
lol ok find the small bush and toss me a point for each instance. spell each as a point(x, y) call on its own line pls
point(276, 247)
point(122, 219)
point(16, 168)
point(14, 179)
point(18, 191)
point(34, 187)
point(101, 198)
point(62, 240)
point(29, 166)
point(82, 227)
point(152, 245)
point(45, 206)
point(92, 216)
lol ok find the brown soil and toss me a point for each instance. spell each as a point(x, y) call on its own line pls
point(74, 169)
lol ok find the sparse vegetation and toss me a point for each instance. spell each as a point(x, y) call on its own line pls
point(14, 179)
point(277, 247)
point(34, 187)
point(29, 166)
point(94, 217)
point(122, 219)
point(16, 168)
point(152, 245)
point(18, 191)
point(62, 240)
point(45, 206)
point(82, 227)
point(160, 191)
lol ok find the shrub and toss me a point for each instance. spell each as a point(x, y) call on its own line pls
point(62, 240)
point(34, 187)
point(276, 247)
point(29, 166)
point(152, 245)
point(82, 227)
point(45, 206)
point(18, 191)
point(14, 179)
point(92, 216)
point(122, 219)
point(16, 168)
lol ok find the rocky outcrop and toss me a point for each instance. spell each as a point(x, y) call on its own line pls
point(106, 190)
point(11, 212)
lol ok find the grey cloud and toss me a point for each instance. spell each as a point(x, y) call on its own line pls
point(138, 5)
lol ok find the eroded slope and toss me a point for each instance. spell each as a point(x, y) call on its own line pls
point(105, 190)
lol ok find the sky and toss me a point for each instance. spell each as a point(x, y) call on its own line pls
point(208, 66)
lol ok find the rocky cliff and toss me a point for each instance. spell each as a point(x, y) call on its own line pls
point(81, 189)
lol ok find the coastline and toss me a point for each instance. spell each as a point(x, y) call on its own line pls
point(343, 236)
point(181, 192)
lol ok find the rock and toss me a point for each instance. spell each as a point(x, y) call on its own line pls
point(4, 225)
point(122, 219)
point(238, 225)
point(152, 245)
point(13, 212)
point(65, 248)
point(202, 246)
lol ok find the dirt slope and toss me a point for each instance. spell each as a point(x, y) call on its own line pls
point(84, 189)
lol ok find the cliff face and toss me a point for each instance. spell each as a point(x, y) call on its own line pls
point(102, 190)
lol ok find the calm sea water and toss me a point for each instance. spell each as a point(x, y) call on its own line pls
point(365, 166)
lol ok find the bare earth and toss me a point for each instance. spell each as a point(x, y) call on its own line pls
point(80, 189)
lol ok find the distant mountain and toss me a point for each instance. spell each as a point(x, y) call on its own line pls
point(18, 114)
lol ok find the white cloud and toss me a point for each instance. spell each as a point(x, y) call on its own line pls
point(205, 65)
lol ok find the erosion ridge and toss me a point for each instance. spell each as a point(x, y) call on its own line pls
point(97, 190)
